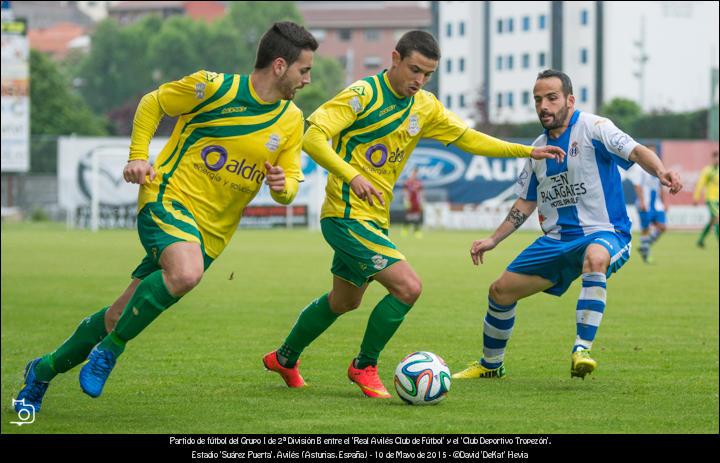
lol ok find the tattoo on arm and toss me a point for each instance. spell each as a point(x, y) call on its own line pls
point(516, 218)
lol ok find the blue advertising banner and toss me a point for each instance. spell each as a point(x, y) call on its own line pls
point(465, 177)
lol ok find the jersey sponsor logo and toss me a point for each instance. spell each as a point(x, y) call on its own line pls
point(355, 104)
point(574, 149)
point(215, 163)
point(395, 156)
point(379, 262)
point(522, 178)
point(234, 109)
point(273, 143)
point(413, 125)
point(561, 192)
point(360, 90)
point(619, 140)
point(371, 152)
point(387, 110)
point(200, 90)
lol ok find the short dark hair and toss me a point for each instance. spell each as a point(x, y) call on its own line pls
point(419, 41)
point(564, 78)
point(284, 40)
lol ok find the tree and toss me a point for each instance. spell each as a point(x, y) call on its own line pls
point(55, 110)
point(623, 112)
point(326, 80)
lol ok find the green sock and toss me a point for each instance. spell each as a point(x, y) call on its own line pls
point(75, 349)
point(704, 233)
point(384, 320)
point(150, 299)
point(312, 322)
point(717, 231)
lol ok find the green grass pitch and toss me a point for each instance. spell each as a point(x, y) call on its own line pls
point(198, 368)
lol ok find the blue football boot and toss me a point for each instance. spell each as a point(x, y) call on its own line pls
point(96, 371)
point(32, 392)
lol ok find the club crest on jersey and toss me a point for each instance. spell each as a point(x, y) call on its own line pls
point(355, 104)
point(574, 149)
point(200, 90)
point(413, 125)
point(273, 143)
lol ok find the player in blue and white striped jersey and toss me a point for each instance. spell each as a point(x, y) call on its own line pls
point(650, 203)
point(582, 212)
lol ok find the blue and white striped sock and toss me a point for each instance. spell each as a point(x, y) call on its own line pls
point(497, 329)
point(645, 243)
point(654, 235)
point(590, 308)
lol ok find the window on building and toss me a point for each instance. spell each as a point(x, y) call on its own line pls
point(499, 26)
point(541, 22)
point(372, 35)
point(583, 56)
point(510, 25)
point(448, 66)
point(583, 94)
point(448, 101)
point(526, 60)
point(510, 61)
point(345, 35)
point(461, 29)
point(499, 100)
point(448, 30)
point(462, 101)
point(461, 64)
point(541, 59)
point(584, 17)
point(526, 23)
point(372, 62)
point(319, 34)
point(509, 99)
point(498, 63)
point(526, 98)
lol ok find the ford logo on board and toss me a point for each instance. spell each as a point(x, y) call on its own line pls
point(435, 167)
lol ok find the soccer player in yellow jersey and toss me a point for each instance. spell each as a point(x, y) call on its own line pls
point(234, 132)
point(709, 182)
point(374, 125)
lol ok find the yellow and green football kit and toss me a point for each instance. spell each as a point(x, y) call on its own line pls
point(373, 132)
point(213, 164)
point(709, 182)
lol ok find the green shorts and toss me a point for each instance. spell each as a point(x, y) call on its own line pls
point(713, 207)
point(362, 248)
point(159, 226)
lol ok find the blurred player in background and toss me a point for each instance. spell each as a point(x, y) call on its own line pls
point(234, 132)
point(651, 203)
point(708, 181)
point(582, 212)
point(413, 203)
point(374, 125)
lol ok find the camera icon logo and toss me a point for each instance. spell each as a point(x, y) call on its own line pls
point(26, 412)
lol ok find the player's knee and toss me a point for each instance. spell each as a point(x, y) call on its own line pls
point(596, 262)
point(409, 291)
point(500, 294)
point(343, 305)
point(182, 281)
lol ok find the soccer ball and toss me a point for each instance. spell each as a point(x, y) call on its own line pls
point(422, 378)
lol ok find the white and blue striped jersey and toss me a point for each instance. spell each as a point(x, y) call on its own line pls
point(583, 194)
point(650, 187)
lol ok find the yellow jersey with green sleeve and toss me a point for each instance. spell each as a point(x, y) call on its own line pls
point(213, 163)
point(375, 131)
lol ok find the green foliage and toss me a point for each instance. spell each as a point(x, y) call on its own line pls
point(326, 80)
point(623, 112)
point(127, 62)
point(658, 369)
point(55, 110)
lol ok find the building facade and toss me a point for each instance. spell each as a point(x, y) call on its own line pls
point(659, 54)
